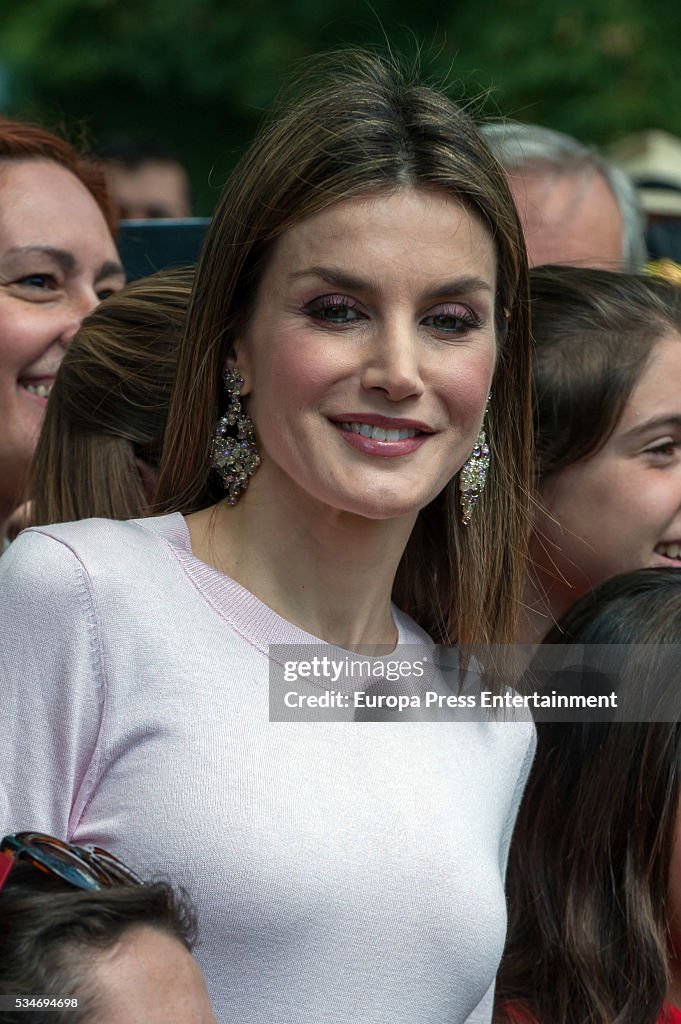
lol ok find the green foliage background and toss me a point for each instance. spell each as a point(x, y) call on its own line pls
point(198, 74)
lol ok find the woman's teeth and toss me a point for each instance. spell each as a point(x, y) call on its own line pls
point(41, 390)
point(378, 433)
point(670, 550)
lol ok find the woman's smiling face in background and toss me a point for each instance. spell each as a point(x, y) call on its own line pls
point(57, 261)
point(620, 509)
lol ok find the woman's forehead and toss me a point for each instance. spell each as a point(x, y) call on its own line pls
point(415, 231)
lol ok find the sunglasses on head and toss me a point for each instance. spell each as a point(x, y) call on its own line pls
point(84, 867)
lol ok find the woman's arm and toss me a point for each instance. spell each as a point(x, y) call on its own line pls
point(51, 685)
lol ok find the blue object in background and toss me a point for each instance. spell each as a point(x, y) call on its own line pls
point(663, 238)
point(146, 246)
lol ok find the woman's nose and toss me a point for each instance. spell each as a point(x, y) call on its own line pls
point(81, 305)
point(393, 365)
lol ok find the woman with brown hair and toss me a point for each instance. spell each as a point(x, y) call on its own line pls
point(607, 383)
point(594, 880)
point(362, 291)
point(100, 445)
point(57, 261)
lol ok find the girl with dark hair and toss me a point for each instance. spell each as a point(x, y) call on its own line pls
point(362, 290)
point(607, 383)
point(57, 261)
point(594, 879)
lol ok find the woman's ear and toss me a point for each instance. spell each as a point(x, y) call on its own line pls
point(237, 359)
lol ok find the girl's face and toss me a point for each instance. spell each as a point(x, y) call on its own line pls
point(620, 509)
point(57, 260)
point(370, 355)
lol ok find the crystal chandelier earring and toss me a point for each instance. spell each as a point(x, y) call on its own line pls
point(235, 458)
point(473, 476)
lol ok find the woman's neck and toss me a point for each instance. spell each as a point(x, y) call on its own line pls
point(328, 572)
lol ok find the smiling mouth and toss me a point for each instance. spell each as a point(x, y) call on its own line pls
point(383, 437)
point(41, 389)
point(379, 433)
point(672, 551)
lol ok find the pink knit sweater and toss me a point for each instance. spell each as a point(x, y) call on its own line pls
point(343, 872)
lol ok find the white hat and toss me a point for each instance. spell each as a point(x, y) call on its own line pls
point(653, 161)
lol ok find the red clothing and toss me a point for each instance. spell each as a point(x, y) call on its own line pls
point(517, 1014)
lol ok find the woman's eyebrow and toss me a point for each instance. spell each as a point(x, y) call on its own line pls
point(66, 260)
point(461, 285)
point(672, 422)
point(342, 279)
point(109, 269)
point(332, 276)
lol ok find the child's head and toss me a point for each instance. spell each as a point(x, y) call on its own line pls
point(595, 866)
point(607, 376)
point(101, 440)
point(115, 952)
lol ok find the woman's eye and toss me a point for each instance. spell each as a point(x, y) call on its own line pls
point(454, 320)
point(335, 309)
point(663, 451)
point(39, 282)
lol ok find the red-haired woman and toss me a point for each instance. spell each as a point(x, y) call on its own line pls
point(57, 260)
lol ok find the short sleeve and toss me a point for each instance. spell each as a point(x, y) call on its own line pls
point(51, 686)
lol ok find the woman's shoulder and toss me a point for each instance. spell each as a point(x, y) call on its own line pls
point(95, 539)
point(53, 559)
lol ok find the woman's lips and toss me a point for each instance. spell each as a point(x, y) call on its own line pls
point(372, 419)
point(670, 551)
point(37, 388)
point(384, 447)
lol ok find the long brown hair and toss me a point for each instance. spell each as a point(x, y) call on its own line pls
point(109, 403)
point(590, 858)
point(357, 125)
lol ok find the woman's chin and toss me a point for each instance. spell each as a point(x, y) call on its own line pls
point(385, 507)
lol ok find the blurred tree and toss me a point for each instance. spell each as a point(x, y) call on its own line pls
point(196, 75)
point(593, 68)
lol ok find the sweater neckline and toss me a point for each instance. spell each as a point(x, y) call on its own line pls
point(255, 622)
